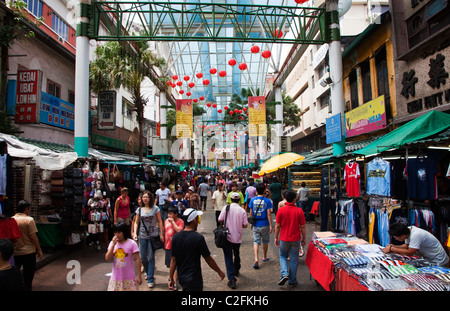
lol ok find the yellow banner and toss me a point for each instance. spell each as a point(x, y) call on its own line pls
point(184, 118)
point(257, 116)
point(366, 118)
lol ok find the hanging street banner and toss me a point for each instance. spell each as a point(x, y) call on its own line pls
point(184, 113)
point(334, 129)
point(106, 114)
point(28, 96)
point(257, 116)
point(367, 118)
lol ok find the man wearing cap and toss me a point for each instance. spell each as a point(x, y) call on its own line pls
point(187, 248)
point(179, 202)
point(236, 220)
point(193, 198)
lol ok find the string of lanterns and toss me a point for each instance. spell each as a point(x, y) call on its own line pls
point(232, 62)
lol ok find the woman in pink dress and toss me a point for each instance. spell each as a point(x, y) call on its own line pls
point(125, 255)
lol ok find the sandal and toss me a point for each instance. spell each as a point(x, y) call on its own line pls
point(256, 266)
point(267, 259)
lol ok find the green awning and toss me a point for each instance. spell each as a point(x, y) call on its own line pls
point(424, 126)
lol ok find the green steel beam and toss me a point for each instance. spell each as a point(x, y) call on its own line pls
point(169, 21)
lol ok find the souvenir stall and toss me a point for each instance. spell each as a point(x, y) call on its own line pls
point(343, 262)
point(400, 177)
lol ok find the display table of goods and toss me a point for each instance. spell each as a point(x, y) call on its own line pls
point(370, 267)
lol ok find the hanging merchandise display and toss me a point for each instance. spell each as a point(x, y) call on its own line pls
point(352, 177)
point(379, 177)
point(422, 182)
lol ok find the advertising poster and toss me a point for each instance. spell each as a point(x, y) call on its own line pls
point(257, 116)
point(367, 118)
point(28, 96)
point(184, 115)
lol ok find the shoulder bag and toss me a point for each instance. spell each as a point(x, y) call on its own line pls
point(252, 219)
point(221, 233)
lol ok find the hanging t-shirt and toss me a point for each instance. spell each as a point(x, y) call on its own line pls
point(422, 184)
point(399, 181)
point(352, 177)
point(379, 177)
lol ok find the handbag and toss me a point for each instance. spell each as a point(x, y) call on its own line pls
point(221, 233)
point(252, 219)
point(115, 174)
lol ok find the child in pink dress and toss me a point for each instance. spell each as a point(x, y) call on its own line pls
point(125, 255)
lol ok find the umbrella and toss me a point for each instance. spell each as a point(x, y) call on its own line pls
point(282, 160)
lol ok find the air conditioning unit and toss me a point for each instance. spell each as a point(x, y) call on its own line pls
point(61, 39)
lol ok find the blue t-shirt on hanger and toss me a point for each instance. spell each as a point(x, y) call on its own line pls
point(379, 177)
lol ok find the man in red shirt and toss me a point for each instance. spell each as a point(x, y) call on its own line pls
point(290, 228)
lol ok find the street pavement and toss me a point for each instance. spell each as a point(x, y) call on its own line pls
point(58, 275)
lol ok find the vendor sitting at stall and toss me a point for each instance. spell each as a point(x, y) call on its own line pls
point(416, 241)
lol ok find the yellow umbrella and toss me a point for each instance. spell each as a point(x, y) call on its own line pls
point(279, 161)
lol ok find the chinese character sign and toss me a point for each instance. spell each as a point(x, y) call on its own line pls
point(184, 114)
point(257, 116)
point(28, 96)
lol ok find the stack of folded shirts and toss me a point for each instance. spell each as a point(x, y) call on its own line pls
point(426, 282)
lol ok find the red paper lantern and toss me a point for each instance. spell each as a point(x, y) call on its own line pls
point(205, 82)
point(173, 85)
point(175, 77)
point(195, 100)
point(213, 71)
point(169, 83)
point(240, 111)
point(222, 73)
point(188, 93)
point(231, 112)
point(208, 105)
point(300, 1)
point(226, 107)
point(232, 62)
point(199, 75)
point(202, 98)
point(266, 54)
point(214, 105)
point(179, 83)
point(186, 78)
point(219, 111)
point(181, 92)
point(254, 49)
point(236, 110)
point(277, 33)
point(245, 109)
point(191, 84)
point(242, 66)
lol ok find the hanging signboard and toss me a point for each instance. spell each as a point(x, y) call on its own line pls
point(57, 112)
point(184, 115)
point(334, 129)
point(257, 116)
point(28, 96)
point(367, 118)
point(106, 115)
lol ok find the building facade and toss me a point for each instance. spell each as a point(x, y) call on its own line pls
point(421, 31)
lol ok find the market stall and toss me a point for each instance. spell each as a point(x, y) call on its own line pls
point(346, 263)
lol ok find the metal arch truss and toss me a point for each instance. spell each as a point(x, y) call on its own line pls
point(168, 21)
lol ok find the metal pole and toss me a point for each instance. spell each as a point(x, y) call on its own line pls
point(81, 133)
point(279, 118)
point(163, 114)
point(336, 71)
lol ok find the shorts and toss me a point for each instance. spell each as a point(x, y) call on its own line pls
point(261, 233)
